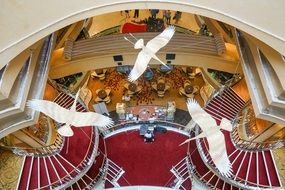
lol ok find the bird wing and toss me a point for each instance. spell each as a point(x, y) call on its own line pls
point(161, 40)
point(50, 109)
point(226, 125)
point(65, 131)
point(217, 150)
point(140, 66)
point(200, 116)
point(90, 118)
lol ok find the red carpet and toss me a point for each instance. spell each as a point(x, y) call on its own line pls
point(25, 172)
point(270, 164)
point(146, 163)
point(132, 28)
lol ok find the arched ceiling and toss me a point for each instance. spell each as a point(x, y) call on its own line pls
point(25, 22)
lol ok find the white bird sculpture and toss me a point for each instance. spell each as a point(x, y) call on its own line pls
point(69, 117)
point(215, 138)
point(149, 51)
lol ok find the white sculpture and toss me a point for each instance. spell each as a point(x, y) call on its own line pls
point(69, 117)
point(149, 51)
point(215, 138)
point(85, 93)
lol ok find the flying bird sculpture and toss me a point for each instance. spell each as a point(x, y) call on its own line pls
point(215, 138)
point(149, 51)
point(70, 117)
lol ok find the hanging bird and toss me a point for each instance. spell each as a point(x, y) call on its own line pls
point(215, 138)
point(149, 51)
point(70, 117)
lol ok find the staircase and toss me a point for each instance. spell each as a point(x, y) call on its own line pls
point(58, 170)
point(182, 175)
point(204, 174)
point(251, 169)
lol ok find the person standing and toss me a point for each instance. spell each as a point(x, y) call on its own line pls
point(164, 15)
point(168, 17)
point(153, 13)
point(136, 14)
point(126, 97)
point(177, 16)
point(127, 14)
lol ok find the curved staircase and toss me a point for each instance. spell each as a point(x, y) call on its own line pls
point(61, 169)
point(251, 169)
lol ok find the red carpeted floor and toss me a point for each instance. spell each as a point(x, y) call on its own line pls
point(131, 27)
point(146, 163)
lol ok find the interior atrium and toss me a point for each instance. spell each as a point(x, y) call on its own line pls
point(226, 56)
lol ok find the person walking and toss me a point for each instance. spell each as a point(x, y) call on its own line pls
point(136, 14)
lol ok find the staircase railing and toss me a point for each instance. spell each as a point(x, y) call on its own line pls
point(196, 176)
point(49, 150)
point(102, 171)
point(234, 180)
point(254, 146)
point(247, 120)
point(206, 158)
point(39, 151)
point(73, 176)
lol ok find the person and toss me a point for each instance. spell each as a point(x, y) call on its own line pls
point(153, 13)
point(164, 15)
point(127, 14)
point(136, 14)
point(177, 16)
point(168, 17)
point(148, 136)
point(126, 97)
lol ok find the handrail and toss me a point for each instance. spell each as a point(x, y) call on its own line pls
point(126, 124)
point(52, 149)
point(249, 144)
point(82, 168)
point(254, 146)
point(205, 158)
point(241, 183)
point(235, 180)
point(42, 151)
point(196, 175)
point(108, 31)
point(103, 169)
point(183, 30)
